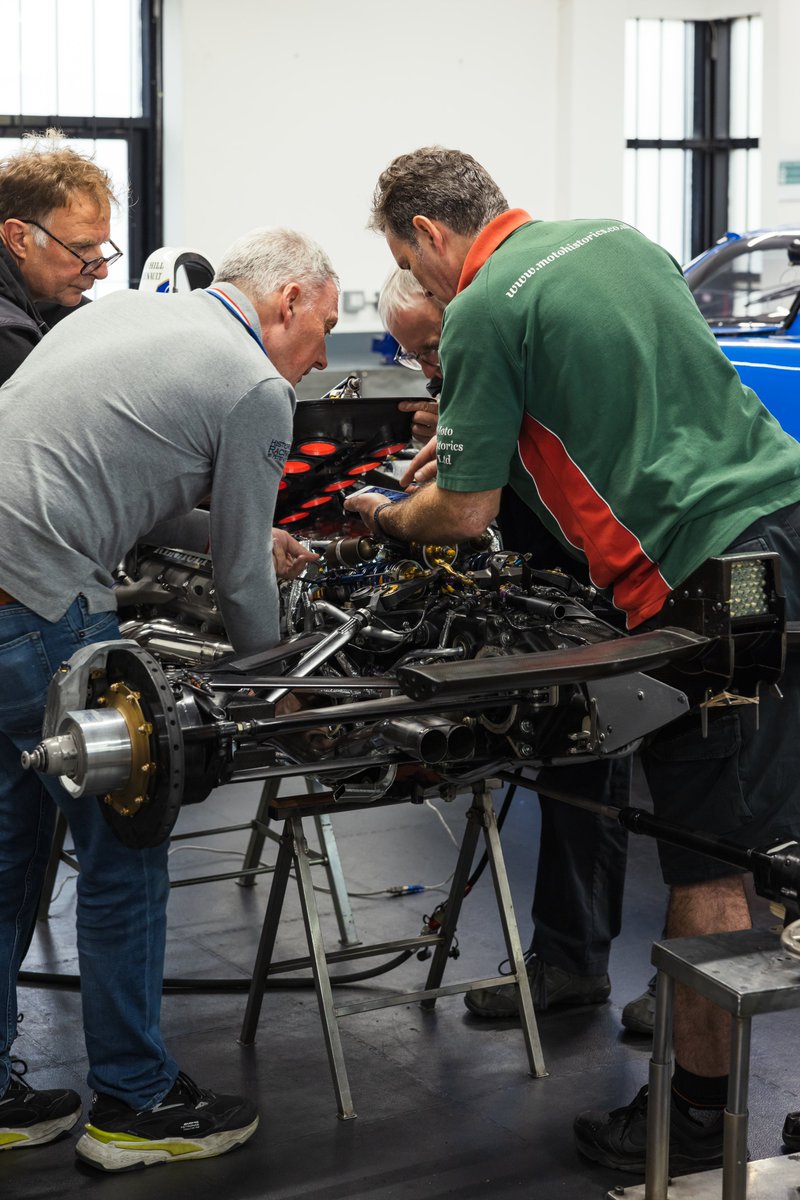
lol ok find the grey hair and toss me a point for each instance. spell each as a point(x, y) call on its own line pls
point(443, 185)
point(400, 292)
point(45, 174)
point(264, 260)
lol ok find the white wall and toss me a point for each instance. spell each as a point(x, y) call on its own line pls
point(590, 145)
point(286, 112)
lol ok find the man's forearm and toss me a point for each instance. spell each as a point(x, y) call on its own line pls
point(431, 514)
point(422, 518)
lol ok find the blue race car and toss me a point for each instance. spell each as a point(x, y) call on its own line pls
point(747, 287)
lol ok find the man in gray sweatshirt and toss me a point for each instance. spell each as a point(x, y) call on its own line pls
point(128, 415)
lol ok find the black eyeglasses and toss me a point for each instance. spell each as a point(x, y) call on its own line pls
point(90, 265)
point(407, 358)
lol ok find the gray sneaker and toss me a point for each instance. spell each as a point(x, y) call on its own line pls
point(550, 987)
point(639, 1015)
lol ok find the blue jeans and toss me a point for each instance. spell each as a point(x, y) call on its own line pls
point(122, 893)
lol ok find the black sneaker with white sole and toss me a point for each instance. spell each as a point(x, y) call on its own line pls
point(190, 1122)
point(32, 1118)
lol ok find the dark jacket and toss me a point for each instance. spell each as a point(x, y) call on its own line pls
point(21, 326)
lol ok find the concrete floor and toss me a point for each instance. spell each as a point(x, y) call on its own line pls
point(445, 1105)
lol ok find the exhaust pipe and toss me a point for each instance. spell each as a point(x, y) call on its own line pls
point(176, 643)
point(460, 743)
point(429, 739)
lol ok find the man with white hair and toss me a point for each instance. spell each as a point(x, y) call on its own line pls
point(414, 319)
point(124, 417)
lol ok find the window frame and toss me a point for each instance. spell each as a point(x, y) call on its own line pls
point(711, 142)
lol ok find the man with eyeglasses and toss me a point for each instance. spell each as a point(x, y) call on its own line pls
point(577, 903)
point(55, 213)
point(414, 319)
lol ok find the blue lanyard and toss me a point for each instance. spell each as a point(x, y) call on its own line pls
point(233, 308)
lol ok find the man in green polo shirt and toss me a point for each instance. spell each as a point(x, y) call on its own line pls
point(578, 369)
point(580, 872)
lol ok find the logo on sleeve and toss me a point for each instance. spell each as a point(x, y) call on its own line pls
point(278, 451)
point(445, 446)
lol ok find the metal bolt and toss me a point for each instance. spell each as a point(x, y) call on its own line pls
point(145, 728)
point(525, 750)
point(131, 696)
point(640, 695)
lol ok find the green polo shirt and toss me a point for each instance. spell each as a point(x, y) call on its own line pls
point(578, 368)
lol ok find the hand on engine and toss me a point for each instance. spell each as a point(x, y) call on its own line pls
point(422, 468)
point(364, 503)
point(289, 556)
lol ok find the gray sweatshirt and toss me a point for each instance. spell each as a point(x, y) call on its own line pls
point(127, 415)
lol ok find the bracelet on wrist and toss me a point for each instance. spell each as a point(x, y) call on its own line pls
point(376, 521)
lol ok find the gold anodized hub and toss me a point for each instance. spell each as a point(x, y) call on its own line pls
point(128, 800)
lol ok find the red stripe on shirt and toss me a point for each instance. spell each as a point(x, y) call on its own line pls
point(233, 304)
point(615, 556)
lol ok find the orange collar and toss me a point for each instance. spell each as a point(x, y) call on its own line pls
point(487, 241)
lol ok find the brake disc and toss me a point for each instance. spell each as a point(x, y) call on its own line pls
point(113, 729)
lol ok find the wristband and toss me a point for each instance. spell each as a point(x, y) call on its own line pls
point(376, 520)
